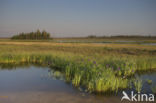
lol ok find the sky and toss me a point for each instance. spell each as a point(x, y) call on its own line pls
point(78, 18)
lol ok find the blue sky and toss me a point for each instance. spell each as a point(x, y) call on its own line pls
point(75, 18)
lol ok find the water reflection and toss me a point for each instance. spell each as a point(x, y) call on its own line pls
point(31, 84)
point(27, 83)
point(56, 74)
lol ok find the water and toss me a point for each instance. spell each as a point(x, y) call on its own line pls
point(108, 42)
point(146, 88)
point(154, 44)
point(33, 84)
point(36, 85)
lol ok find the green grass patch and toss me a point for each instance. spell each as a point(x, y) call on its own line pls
point(95, 68)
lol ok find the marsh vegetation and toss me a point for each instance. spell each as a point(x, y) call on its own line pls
point(99, 68)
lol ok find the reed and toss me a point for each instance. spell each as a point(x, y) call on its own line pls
point(95, 69)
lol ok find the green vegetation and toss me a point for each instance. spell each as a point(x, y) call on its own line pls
point(33, 35)
point(149, 81)
point(154, 89)
point(137, 84)
point(97, 68)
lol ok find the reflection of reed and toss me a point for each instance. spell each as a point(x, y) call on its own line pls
point(55, 74)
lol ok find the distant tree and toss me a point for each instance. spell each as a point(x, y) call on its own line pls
point(92, 36)
point(33, 35)
point(44, 34)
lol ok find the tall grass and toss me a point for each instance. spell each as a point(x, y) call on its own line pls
point(138, 84)
point(96, 72)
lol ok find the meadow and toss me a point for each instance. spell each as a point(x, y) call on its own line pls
point(97, 67)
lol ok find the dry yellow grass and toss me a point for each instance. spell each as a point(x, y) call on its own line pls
point(130, 46)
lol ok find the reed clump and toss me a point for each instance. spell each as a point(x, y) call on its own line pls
point(95, 72)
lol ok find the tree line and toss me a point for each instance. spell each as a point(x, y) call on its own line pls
point(122, 36)
point(33, 35)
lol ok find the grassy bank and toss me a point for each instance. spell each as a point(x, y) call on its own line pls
point(119, 40)
point(97, 67)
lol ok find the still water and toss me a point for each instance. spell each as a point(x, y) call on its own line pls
point(37, 85)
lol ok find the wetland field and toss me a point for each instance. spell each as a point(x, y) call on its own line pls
point(76, 70)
